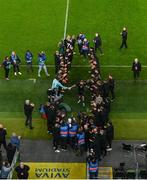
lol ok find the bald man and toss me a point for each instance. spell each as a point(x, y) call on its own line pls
point(28, 109)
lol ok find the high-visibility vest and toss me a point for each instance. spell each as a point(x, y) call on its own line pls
point(93, 166)
point(81, 138)
point(64, 131)
point(73, 130)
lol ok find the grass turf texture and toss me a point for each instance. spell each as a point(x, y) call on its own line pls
point(38, 25)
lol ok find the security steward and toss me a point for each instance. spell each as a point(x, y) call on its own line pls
point(93, 168)
point(63, 135)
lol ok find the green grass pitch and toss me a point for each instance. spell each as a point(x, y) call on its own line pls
point(39, 25)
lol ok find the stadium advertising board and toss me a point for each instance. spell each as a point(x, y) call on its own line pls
point(57, 170)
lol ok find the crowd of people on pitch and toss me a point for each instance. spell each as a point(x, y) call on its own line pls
point(90, 132)
point(10, 149)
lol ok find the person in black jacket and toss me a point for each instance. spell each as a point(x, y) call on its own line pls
point(98, 43)
point(50, 112)
point(22, 171)
point(28, 109)
point(3, 134)
point(124, 35)
point(136, 68)
point(56, 137)
point(6, 64)
point(111, 84)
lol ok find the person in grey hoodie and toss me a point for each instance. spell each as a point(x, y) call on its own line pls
point(6, 168)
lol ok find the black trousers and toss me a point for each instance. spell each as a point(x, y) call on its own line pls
point(99, 48)
point(72, 142)
point(49, 125)
point(28, 120)
point(56, 142)
point(4, 144)
point(136, 74)
point(63, 142)
point(109, 141)
point(7, 73)
point(57, 67)
point(81, 149)
point(112, 93)
point(80, 49)
point(93, 175)
point(124, 43)
point(16, 68)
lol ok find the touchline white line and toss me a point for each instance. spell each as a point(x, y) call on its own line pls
point(66, 18)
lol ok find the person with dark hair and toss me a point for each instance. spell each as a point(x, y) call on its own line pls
point(15, 61)
point(7, 65)
point(124, 36)
point(3, 134)
point(28, 109)
point(136, 68)
point(98, 43)
point(22, 171)
point(63, 135)
point(29, 58)
point(93, 168)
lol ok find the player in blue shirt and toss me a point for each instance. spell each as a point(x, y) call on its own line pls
point(29, 58)
point(42, 59)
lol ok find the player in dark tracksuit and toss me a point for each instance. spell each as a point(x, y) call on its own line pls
point(124, 35)
point(29, 58)
point(6, 64)
point(57, 61)
point(136, 68)
point(97, 43)
point(81, 87)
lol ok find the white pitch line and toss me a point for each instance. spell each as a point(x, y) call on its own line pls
point(66, 19)
point(87, 66)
